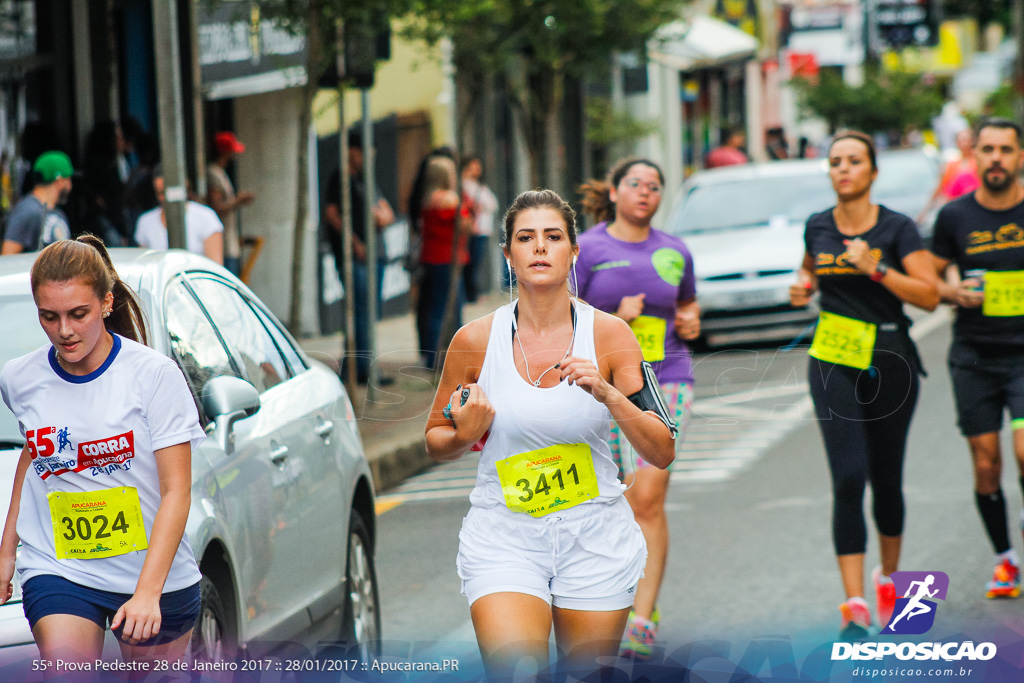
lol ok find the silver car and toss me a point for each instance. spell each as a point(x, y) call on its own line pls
point(744, 226)
point(282, 519)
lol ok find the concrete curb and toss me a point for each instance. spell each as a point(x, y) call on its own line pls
point(390, 468)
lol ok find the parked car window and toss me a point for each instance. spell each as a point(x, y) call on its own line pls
point(194, 342)
point(753, 202)
point(17, 340)
point(284, 345)
point(243, 331)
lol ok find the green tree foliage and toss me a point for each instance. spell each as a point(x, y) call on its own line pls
point(532, 45)
point(606, 126)
point(984, 11)
point(887, 101)
point(319, 21)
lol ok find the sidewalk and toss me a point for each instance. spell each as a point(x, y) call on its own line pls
point(391, 425)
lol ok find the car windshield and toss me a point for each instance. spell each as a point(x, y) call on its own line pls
point(22, 334)
point(753, 201)
point(904, 174)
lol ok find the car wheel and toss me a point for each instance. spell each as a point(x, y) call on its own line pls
point(362, 608)
point(210, 640)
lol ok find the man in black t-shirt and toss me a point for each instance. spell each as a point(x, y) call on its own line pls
point(982, 234)
point(383, 216)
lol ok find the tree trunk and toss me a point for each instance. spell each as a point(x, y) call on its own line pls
point(554, 143)
point(314, 68)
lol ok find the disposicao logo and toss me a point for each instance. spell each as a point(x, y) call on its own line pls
point(914, 614)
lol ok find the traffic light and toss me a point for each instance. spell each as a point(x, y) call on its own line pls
point(365, 43)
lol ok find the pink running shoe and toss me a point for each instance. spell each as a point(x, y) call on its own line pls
point(885, 597)
point(639, 639)
point(1005, 581)
point(856, 619)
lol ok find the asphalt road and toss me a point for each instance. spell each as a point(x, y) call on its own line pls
point(751, 557)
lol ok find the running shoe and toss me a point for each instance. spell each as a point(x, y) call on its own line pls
point(639, 638)
point(885, 597)
point(1005, 581)
point(856, 619)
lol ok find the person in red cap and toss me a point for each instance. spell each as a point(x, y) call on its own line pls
point(223, 199)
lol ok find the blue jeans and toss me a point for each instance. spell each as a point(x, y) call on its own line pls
point(430, 308)
point(473, 271)
point(360, 285)
point(233, 264)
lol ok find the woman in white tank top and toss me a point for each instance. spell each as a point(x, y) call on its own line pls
point(549, 540)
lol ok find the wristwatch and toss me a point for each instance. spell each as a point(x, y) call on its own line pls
point(880, 270)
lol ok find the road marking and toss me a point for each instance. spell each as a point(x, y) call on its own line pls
point(383, 505)
point(726, 434)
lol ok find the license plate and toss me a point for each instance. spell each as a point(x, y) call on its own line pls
point(758, 299)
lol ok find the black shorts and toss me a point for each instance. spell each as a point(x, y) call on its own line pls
point(48, 594)
point(986, 380)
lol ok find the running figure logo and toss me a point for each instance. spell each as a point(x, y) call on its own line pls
point(914, 613)
point(63, 441)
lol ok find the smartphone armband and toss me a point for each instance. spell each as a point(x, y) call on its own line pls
point(649, 398)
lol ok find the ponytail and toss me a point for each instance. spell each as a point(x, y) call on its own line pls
point(597, 200)
point(86, 258)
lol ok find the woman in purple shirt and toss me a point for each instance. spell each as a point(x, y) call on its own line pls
point(645, 277)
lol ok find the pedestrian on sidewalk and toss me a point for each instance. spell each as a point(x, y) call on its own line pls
point(222, 198)
point(383, 216)
point(36, 221)
point(204, 233)
point(102, 489)
point(864, 369)
point(444, 219)
point(643, 276)
point(105, 175)
point(549, 539)
point(482, 205)
point(980, 235)
point(731, 152)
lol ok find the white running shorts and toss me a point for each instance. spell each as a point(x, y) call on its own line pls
point(589, 557)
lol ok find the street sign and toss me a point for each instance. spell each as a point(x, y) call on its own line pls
point(906, 23)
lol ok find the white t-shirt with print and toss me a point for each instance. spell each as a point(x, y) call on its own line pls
point(96, 432)
point(200, 222)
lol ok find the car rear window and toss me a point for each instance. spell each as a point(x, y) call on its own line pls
point(753, 202)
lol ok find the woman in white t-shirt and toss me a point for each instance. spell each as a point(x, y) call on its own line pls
point(204, 233)
point(103, 486)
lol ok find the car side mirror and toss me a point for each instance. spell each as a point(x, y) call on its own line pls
point(228, 400)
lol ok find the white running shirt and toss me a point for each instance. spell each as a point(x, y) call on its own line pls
point(200, 223)
point(96, 432)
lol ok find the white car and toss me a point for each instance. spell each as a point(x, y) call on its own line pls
point(744, 227)
point(282, 519)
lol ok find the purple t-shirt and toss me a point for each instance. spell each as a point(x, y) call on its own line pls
point(660, 267)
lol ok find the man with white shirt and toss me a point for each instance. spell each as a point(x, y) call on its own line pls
point(204, 233)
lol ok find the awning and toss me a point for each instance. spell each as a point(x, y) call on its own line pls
point(700, 43)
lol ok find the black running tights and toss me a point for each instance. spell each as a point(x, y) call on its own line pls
point(864, 416)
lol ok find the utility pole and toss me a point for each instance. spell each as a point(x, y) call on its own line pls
point(370, 230)
point(345, 192)
point(1018, 62)
point(172, 130)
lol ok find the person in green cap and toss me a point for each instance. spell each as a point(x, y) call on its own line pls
point(35, 221)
